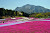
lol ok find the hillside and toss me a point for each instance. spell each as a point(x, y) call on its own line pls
point(32, 9)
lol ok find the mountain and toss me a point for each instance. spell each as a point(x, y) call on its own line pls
point(32, 9)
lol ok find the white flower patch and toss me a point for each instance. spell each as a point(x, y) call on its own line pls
point(13, 18)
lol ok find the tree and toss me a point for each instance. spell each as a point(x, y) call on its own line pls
point(2, 11)
point(25, 14)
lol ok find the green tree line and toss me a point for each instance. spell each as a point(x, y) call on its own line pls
point(40, 15)
point(6, 13)
point(11, 13)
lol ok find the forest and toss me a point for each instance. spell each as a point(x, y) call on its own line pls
point(4, 13)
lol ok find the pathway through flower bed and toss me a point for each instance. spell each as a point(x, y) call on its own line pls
point(27, 27)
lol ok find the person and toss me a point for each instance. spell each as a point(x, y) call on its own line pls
point(3, 22)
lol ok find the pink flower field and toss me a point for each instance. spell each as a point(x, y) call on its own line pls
point(28, 27)
point(13, 26)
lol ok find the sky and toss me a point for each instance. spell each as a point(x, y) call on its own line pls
point(12, 4)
